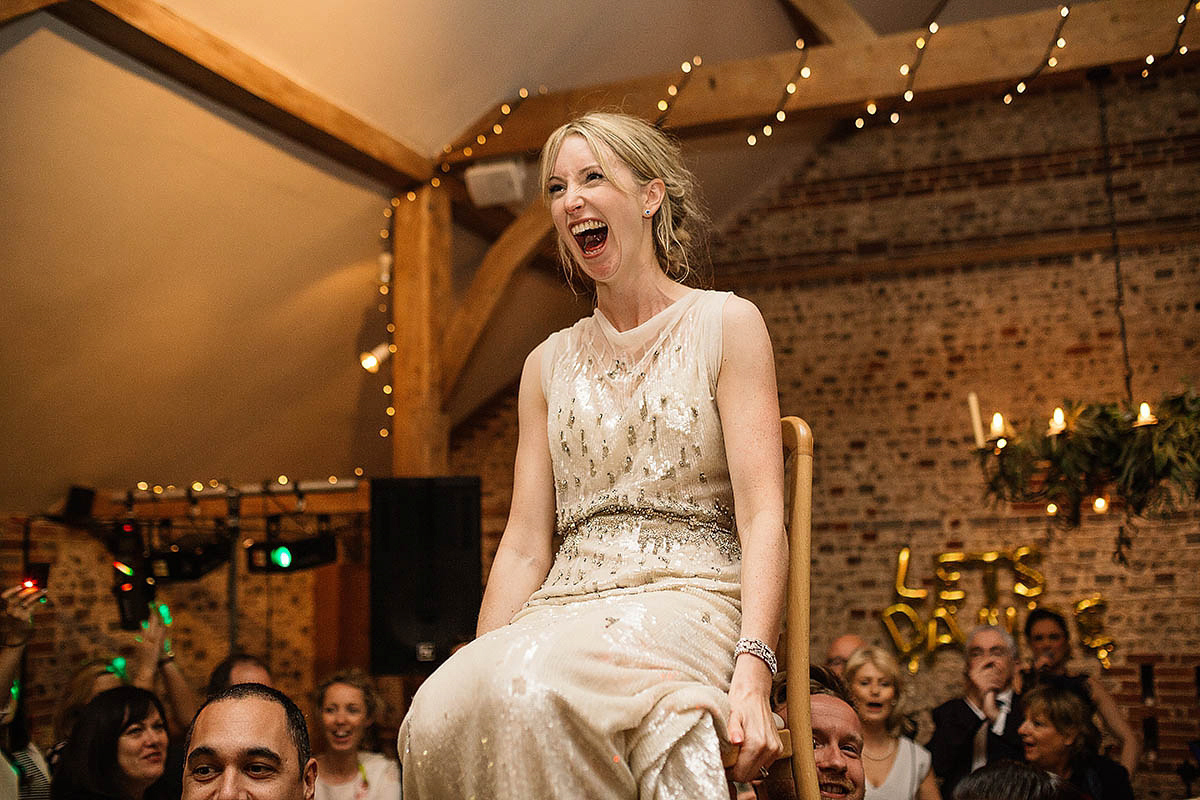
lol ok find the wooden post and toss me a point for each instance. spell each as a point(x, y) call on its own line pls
point(421, 286)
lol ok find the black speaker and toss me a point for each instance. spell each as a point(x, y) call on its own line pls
point(77, 508)
point(426, 571)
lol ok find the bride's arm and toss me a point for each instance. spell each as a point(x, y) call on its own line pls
point(748, 400)
point(524, 557)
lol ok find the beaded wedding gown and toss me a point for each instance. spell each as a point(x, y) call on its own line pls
point(611, 681)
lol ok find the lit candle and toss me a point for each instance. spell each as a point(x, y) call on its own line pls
point(976, 420)
point(1100, 505)
point(997, 425)
point(1144, 416)
point(1058, 423)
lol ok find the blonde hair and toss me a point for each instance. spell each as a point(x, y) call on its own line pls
point(649, 153)
point(886, 663)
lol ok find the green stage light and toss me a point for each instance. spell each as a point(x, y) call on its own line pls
point(281, 557)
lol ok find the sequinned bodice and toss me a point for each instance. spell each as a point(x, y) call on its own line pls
point(642, 488)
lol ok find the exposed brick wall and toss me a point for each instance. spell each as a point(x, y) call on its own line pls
point(881, 366)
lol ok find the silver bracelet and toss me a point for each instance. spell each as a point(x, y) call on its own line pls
point(758, 649)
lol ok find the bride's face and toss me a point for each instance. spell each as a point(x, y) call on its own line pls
point(598, 209)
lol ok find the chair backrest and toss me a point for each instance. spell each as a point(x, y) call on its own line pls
point(798, 471)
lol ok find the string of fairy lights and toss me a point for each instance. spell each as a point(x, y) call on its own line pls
point(1176, 48)
point(665, 104)
point(1057, 42)
point(908, 70)
point(371, 360)
point(802, 72)
point(489, 131)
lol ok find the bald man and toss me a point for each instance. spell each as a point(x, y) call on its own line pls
point(840, 651)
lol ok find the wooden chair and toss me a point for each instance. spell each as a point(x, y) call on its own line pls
point(798, 470)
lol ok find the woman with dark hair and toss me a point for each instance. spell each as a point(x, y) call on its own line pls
point(1012, 780)
point(348, 705)
point(237, 668)
point(117, 749)
point(1049, 640)
point(1060, 737)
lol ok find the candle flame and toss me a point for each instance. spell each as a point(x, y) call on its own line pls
point(997, 424)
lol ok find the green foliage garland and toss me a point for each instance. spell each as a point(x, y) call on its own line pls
point(1151, 469)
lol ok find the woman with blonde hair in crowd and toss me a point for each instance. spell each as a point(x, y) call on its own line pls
point(348, 706)
point(896, 767)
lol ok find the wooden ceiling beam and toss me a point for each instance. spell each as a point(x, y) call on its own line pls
point(520, 243)
point(164, 41)
point(962, 60)
point(14, 9)
point(836, 20)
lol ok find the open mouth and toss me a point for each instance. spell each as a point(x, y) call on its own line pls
point(875, 707)
point(591, 235)
point(834, 789)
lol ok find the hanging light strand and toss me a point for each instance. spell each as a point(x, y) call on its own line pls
point(909, 71)
point(1176, 47)
point(372, 359)
point(802, 72)
point(493, 129)
point(1057, 42)
point(687, 68)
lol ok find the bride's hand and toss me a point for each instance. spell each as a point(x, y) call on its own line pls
point(751, 724)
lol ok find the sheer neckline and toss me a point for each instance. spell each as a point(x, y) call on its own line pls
point(650, 328)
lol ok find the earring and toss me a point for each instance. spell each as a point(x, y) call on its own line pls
point(648, 212)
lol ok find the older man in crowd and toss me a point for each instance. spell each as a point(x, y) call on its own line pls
point(840, 650)
point(981, 727)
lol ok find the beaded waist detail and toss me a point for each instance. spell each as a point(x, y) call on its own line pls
point(617, 546)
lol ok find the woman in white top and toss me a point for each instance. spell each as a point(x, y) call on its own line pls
point(896, 767)
point(348, 704)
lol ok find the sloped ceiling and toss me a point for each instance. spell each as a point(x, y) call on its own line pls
point(186, 292)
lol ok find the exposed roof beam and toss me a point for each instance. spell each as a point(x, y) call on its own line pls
point(159, 38)
point(12, 9)
point(836, 20)
point(516, 247)
point(961, 61)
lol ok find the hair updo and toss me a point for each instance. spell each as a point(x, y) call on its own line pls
point(649, 153)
